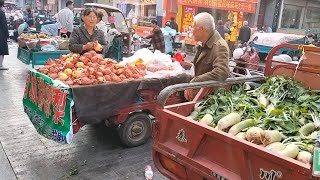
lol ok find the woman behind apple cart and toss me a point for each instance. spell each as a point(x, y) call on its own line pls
point(87, 36)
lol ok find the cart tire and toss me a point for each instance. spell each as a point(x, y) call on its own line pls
point(136, 130)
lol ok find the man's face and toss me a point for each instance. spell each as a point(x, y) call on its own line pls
point(70, 6)
point(153, 25)
point(197, 32)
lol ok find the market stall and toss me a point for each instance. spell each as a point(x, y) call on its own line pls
point(37, 47)
point(75, 90)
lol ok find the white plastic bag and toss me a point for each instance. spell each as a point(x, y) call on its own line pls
point(145, 54)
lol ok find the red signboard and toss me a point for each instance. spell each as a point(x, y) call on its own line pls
point(230, 5)
point(143, 30)
point(187, 18)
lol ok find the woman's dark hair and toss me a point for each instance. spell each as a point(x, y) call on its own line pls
point(220, 22)
point(87, 11)
point(100, 15)
point(1, 3)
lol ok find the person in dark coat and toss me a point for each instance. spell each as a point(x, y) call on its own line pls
point(221, 29)
point(4, 35)
point(156, 37)
point(245, 33)
point(173, 24)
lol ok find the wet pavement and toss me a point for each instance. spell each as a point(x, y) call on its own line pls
point(96, 152)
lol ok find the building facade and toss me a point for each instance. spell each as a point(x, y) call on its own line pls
point(300, 14)
point(291, 14)
point(234, 10)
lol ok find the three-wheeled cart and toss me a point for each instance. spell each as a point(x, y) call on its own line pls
point(186, 149)
point(266, 41)
point(127, 106)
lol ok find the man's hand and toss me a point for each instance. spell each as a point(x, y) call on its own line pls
point(188, 94)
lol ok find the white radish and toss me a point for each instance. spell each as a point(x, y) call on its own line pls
point(270, 136)
point(254, 135)
point(197, 107)
point(307, 129)
point(207, 119)
point(313, 135)
point(302, 121)
point(291, 151)
point(270, 107)
point(275, 147)
point(235, 129)
point(228, 120)
point(305, 157)
point(194, 114)
point(263, 100)
point(241, 135)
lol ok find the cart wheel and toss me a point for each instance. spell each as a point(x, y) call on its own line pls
point(136, 130)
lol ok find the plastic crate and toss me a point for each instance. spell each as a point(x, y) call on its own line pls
point(41, 57)
point(24, 55)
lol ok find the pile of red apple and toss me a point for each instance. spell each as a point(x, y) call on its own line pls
point(90, 68)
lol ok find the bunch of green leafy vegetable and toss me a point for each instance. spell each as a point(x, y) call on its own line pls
point(288, 105)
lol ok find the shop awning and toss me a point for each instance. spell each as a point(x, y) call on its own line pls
point(248, 6)
point(137, 2)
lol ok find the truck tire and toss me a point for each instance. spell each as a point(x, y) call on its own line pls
point(136, 130)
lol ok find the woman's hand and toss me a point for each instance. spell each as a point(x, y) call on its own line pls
point(89, 46)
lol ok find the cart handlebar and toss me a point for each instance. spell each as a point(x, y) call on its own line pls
point(168, 91)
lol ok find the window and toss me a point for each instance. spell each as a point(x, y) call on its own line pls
point(312, 18)
point(291, 16)
point(173, 6)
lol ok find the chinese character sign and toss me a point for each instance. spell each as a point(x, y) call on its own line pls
point(187, 18)
point(48, 106)
point(232, 5)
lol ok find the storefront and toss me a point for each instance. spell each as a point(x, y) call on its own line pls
point(232, 10)
point(299, 14)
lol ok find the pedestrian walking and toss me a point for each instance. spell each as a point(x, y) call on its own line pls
point(233, 37)
point(65, 20)
point(245, 33)
point(28, 18)
point(168, 35)
point(173, 24)
point(221, 29)
point(4, 35)
point(157, 37)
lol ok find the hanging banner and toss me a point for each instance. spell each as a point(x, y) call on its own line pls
point(188, 14)
point(187, 18)
point(48, 104)
point(230, 5)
